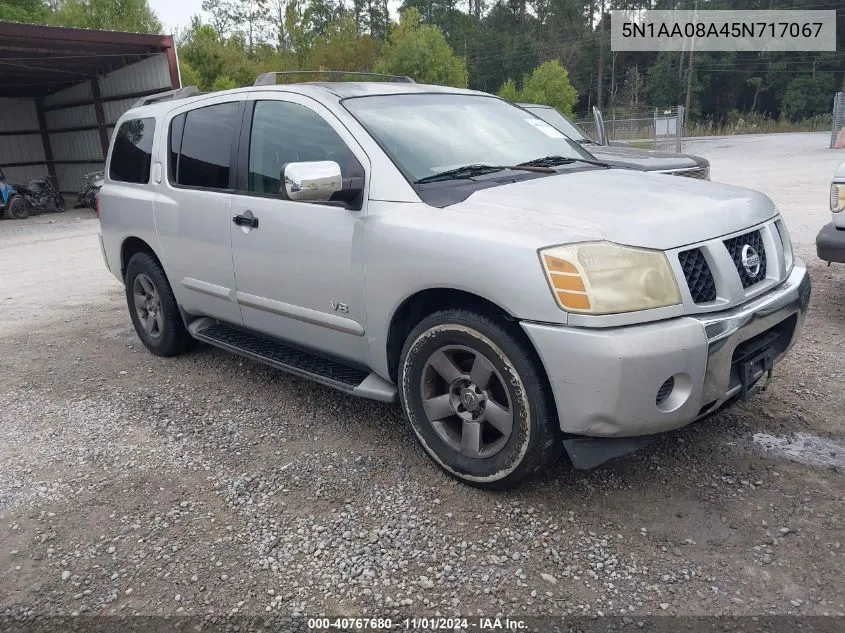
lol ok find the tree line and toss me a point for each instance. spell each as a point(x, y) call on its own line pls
point(550, 51)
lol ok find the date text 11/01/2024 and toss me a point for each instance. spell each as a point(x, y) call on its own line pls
point(416, 624)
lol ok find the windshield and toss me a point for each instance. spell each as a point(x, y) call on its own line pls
point(555, 118)
point(427, 134)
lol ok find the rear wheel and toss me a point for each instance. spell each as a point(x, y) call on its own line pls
point(153, 307)
point(477, 399)
point(59, 204)
point(18, 208)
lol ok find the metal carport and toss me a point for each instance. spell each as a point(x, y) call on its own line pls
point(62, 90)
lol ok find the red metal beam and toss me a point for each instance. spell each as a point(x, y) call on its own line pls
point(173, 65)
point(63, 34)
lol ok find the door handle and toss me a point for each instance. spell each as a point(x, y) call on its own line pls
point(245, 220)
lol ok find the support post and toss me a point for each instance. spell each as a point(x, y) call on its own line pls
point(45, 138)
point(101, 116)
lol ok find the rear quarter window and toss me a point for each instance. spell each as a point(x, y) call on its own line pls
point(133, 151)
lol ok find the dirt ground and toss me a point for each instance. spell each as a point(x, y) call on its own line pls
point(209, 485)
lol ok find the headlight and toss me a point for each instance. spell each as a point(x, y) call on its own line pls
point(788, 257)
point(837, 197)
point(605, 278)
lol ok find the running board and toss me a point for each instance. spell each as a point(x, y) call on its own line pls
point(294, 360)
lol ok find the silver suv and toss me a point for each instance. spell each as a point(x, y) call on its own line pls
point(446, 249)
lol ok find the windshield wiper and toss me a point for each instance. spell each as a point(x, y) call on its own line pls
point(468, 171)
point(555, 161)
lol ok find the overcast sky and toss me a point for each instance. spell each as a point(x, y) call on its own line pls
point(175, 13)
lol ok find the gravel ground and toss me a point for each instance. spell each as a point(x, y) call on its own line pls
point(209, 485)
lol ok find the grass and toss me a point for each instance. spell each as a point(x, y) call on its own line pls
point(636, 131)
point(757, 124)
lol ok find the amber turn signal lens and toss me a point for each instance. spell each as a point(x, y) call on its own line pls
point(567, 283)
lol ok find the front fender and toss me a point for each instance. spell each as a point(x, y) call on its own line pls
point(411, 248)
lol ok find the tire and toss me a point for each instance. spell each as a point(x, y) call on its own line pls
point(157, 320)
point(472, 443)
point(19, 208)
point(59, 204)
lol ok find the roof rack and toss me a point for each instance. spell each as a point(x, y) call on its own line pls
point(179, 93)
point(270, 79)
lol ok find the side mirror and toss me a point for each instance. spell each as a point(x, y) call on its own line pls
point(315, 181)
point(601, 133)
point(321, 181)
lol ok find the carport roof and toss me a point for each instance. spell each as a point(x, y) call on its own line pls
point(38, 60)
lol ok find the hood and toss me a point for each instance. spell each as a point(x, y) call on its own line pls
point(627, 207)
point(648, 159)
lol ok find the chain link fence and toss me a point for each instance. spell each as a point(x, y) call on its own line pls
point(837, 132)
point(648, 129)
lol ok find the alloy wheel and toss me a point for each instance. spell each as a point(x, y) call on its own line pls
point(148, 306)
point(466, 401)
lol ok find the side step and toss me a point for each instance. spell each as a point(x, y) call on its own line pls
point(294, 360)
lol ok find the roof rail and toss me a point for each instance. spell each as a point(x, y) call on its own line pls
point(270, 79)
point(179, 93)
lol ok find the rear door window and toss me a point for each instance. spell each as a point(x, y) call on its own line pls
point(201, 146)
point(133, 151)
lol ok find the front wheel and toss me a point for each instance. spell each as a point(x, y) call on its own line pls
point(59, 204)
point(18, 208)
point(478, 400)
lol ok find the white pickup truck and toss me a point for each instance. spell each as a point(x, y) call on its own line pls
point(830, 242)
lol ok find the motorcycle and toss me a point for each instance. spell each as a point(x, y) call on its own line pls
point(6, 192)
point(38, 194)
point(91, 184)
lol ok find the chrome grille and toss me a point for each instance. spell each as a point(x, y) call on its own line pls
point(700, 173)
point(699, 277)
point(736, 246)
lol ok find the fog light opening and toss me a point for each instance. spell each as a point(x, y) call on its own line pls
point(665, 391)
point(673, 393)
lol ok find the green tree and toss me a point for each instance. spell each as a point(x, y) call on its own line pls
point(134, 16)
point(342, 48)
point(190, 77)
point(422, 53)
point(322, 14)
point(201, 50)
point(807, 96)
point(665, 84)
point(29, 11)
point(549, 85)
point(509, 91)
point(223, 82)
point(221, 15)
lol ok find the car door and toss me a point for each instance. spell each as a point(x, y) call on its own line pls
point(193, 207)
point(299, 272)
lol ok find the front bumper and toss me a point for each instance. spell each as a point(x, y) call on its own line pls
point(830, 244)
point(605, 381)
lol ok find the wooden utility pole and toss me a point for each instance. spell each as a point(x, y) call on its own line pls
point(599, 86)
point(689, 69)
